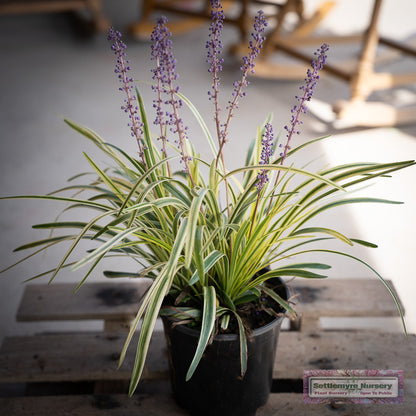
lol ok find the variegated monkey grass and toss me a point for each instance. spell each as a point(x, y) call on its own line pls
point(204, 255)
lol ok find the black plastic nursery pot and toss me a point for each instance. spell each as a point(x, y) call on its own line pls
point(216, 387)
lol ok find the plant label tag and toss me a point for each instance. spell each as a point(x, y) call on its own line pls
point(353, 386)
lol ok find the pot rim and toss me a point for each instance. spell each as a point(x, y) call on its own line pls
point(229, 337)
point(232, 337)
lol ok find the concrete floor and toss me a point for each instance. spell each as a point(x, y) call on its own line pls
point(48, 70)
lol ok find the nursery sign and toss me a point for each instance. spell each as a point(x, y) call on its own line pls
point(354, 386)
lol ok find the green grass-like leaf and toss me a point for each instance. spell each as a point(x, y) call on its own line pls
point(208, 321)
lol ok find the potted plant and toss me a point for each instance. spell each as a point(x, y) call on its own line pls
point(215, 242)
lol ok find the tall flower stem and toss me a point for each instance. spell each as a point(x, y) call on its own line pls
point(122, 68)
point(166, 75)
point(214, 46)
point(262, 177)
point(163, 137)
point(158, 77)
point(181, 132)
point(308, 89)
point(247, 68)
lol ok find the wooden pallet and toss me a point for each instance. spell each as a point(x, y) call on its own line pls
point(287, 404)
point(85, 364)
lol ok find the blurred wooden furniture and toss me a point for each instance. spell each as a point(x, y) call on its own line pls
point(193, 13)
point(93, 7)
point(363, 79)
point(76, 373)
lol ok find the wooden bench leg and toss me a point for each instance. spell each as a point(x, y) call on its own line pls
point(361, 85)
point(365, 81)
point(270, 42)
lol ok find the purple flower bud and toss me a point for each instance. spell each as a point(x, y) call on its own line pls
point(214, 44)
point(136, 127)
point(266, 154)
point(165, 75)
point(308, 89)
point(248, 62)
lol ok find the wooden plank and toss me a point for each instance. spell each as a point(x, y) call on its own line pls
point(343, 297)
point(287, 404)
point(291, 404)
point(76, 357)
point(298, 351)
point(100, 300)
point(103, 405)
point(83, 357)
point(110, 301)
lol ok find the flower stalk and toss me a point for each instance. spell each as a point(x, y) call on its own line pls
point(262, 177)
point(214, 47)
point(158, 35)
point(308, 89)
point(130, 107)
point(166, 75)
point(247, 68)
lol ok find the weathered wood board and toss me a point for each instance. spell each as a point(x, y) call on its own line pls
point(93, 357)
point(287, 404)
point(291, 404)
point(298, 351)
point(110, 301)
point(89, 356)
point(99, 300)
point(343, 297)
point(76, 357)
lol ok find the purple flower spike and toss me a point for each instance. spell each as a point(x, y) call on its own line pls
point(160, 38)
point(214, 44)
point(266, 154)
point(165, 75)
point(255, 44)
point(130, 106)
point(214, 47)
point(308, 89)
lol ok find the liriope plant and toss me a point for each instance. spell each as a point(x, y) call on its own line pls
point(208, 257)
